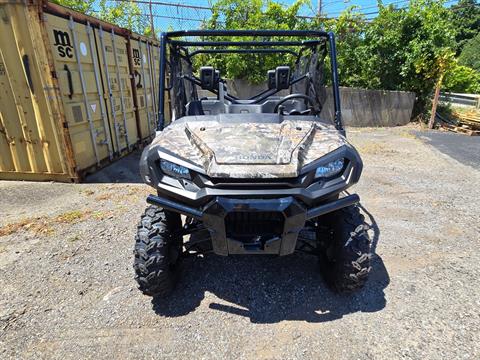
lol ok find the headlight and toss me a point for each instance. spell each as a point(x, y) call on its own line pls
point(330, 169)
point(174, 170)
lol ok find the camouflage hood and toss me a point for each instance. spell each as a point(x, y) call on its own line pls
point(250, 150)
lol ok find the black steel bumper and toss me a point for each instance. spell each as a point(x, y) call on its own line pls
point(214, 214)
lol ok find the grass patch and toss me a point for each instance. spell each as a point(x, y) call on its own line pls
point(43, 225)
point(102, 215)
point(103, 197)
point(38, 226)
point(375, 149)
point(408, 135)
point(73, 239)
point(71, 216)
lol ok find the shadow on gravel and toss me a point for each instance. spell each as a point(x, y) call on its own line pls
point(273, 289)
point(124, 170)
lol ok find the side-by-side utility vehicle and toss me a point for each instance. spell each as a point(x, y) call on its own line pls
point(259, 174)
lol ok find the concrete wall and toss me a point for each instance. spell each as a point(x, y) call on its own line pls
point(360, 107)
point(244, 90)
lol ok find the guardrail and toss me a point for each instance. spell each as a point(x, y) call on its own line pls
point(470, 100)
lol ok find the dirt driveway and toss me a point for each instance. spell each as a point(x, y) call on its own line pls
point(67, 288)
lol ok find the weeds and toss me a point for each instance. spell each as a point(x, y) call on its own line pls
point(71, 216)
point(38, 226)
point(43, 225)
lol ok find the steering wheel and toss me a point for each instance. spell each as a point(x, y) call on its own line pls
point(296, 96)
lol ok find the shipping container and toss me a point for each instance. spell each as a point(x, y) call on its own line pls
point(76, 93)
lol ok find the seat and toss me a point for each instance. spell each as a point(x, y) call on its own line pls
point(195, 108)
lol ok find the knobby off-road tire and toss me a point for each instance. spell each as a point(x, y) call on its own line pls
point(158, 251)
point(345, 260)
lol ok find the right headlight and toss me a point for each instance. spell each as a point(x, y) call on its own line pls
point(331, 169)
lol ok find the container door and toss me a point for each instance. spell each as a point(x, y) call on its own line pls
point(78, 72)
point(144, 85)
point(112, 50)
point(31, 145)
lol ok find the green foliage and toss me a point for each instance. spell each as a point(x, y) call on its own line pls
point(408, 49)
point(462, 79)
point(85, 7)
point(254, 14)
point(349, 28)
point(466, 19)
point(125, 14)
point(470, 55)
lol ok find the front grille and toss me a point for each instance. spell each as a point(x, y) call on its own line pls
point(247, 226)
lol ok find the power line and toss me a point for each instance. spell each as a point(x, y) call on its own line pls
point(161, 3)
point(393, 3)
point(335, 2)
point(173, 17)
point(387, 4)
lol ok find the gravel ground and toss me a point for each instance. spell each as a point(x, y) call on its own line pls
point(67, 288)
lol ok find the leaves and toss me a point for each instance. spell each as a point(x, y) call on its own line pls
point(470, 55)
point(462, 79)
point(82, 6)
point(125, 14)
point(254, 14)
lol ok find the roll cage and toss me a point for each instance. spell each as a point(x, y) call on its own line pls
point(184, 40)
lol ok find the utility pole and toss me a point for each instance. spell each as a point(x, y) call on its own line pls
point(319, 8)
point(438, 86)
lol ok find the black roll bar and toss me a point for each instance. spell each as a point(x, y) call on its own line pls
point(245, 43)
point(169, 36)
point(243, 51)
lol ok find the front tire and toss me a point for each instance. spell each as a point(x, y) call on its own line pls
point(346, 251)
point(158, 251)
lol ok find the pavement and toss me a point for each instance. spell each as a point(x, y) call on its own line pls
point(465, 149)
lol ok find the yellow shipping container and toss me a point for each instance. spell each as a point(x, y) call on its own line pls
point(75, 92)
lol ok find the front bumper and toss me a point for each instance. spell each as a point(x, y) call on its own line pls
point(291, 213)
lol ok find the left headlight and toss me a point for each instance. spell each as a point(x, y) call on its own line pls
point(331, 169)
point(174, 170)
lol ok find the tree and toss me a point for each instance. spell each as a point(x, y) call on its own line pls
point(470, 55)
point(85, 7)
point(349, 29)
point(462, 79)
point(254, 14)
point(125, 14)
point(466, 19)
point(408, 49)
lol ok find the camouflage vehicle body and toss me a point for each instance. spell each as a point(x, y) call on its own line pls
point(249, 150)
point(250, 176)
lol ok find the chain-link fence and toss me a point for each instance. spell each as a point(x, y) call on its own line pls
point(167, 16)
point(171, 15)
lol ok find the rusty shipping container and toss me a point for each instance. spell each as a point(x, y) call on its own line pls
point(76, 93)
